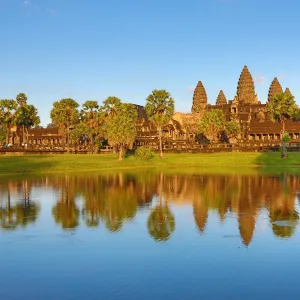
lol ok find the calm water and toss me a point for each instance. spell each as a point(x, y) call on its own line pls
point(150, 236)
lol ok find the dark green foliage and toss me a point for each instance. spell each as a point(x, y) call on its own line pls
point(212, 123)
point(144, 153)
point(119, 128)
point(65, 115)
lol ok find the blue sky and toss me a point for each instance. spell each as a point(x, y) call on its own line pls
point(53, 49)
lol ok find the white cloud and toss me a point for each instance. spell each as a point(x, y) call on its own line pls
point(26, 3)
point(282, 76)
point(190, 89)
point(51, 11)
point(260, 80)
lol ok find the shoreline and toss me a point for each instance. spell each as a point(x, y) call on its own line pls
point(212, 162)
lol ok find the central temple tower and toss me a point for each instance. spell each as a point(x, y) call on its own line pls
point(199, 99)
point(245, 89)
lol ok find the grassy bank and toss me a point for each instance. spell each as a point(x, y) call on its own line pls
point(38, 164)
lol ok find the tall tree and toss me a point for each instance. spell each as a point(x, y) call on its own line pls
point(65, 115)
point(160, 109)
point(281, 108)
point(26, 116)
point(120, 129)
point(92, 118)
point(7, 117)
point(232, 129)
point(212, 123)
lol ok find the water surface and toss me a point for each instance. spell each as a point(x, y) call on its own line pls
point(150, 236)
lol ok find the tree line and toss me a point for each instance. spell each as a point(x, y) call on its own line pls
point(114, 120)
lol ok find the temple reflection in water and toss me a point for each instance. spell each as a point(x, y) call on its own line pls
point(113, 199)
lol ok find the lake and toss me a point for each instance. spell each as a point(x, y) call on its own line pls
point(150, 235)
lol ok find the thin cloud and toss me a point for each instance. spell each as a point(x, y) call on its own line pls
point(191, 90)
point(282, 76)
point(26, 3)
point(51, 11)
point(260, 80)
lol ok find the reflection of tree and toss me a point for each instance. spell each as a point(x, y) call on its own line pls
point(65, 212)
point(19, 214)
point(284, 222)
point(161, 222)
point(118, 205)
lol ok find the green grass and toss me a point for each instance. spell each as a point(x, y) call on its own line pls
point(213, 163)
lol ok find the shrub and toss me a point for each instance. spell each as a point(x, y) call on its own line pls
point(143, 153)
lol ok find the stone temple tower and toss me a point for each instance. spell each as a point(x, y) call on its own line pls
point(199, 99)
point(245, 90)
point(221, 100)
point(275, 88)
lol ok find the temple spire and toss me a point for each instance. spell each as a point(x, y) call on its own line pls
point(275, 88)
point(221, 100)
point(287, 91)
point(199, 99)
point(245, 89)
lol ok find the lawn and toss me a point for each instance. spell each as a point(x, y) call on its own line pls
point(45, 164)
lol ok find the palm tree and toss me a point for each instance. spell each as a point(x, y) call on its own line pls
point(65, 115)
point(92, 119)
point(160, 109)
point(7, 115)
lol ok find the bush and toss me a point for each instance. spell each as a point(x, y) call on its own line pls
point(143, 153)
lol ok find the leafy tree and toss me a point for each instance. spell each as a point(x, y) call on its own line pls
point(7, 118)
point(92, 119)
point(65, 115)
point(281, 108)
point(160, 109)
point(233, 129)
point(26, 116)
point(119, 129)
point(212, 123)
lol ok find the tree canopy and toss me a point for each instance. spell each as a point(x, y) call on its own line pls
point(119, 128)
point(64, 115)
point(212, 123)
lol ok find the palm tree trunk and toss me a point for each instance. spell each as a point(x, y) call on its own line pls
point(121, 153)
point(23, 134)
point(283, 144)
point(92, 144)
point(160, 142)
point(68, 140)
point(7, 134)
point(27, 134)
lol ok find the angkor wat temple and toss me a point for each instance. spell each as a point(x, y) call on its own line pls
point(257, 130)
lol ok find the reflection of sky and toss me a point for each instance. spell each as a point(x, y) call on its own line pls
point(44, 262)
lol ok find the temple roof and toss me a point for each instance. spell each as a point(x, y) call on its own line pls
point(287, 91)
